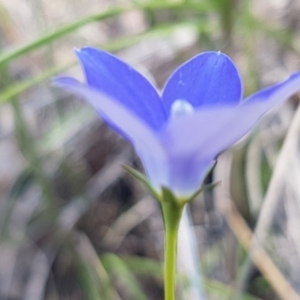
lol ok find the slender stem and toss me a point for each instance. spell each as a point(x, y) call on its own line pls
point(172, 214)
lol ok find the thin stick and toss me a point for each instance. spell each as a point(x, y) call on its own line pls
point(288, 151)
point(246, 237)
point(263, 262)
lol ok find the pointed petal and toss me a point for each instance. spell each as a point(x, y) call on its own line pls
point(115, 78)
point(142, 179)
point(201, 133)
point(270, 96)
point(211, 130)
point(144, 139)
point(210, 78)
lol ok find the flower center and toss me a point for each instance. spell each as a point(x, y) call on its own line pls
point(181, 107)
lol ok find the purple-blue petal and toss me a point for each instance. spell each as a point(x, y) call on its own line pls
point(210, 130)
point(208, 79)
point(115, 78)
point(270, 96)
point(200, 134)
point(135, 129)
point(186, 174)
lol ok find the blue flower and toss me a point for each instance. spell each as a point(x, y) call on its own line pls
point(179, 133)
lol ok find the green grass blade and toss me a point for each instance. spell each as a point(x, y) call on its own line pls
point(88, 282)
point(118, 269)
point(18, 88)
point(54, 35)
point(47, 38)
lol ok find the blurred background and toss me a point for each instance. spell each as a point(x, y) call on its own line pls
point(73, 224)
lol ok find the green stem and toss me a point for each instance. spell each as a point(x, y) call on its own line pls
point(172, 214)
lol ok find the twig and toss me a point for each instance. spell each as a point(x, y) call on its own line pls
point(245, 236)
point(288, 151)
point(259, 256)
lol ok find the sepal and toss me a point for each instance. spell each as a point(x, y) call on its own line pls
point(202, 189)
point(166, 195)
point(142, 179)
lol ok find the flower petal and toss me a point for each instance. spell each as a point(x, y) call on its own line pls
point(210, 78)
point(200, 134)
point(210, 130)
point(186, 174)
point(144, 139)
point(270, 96)
point(115, 78)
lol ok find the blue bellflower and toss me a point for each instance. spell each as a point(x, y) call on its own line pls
point(179, 133)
